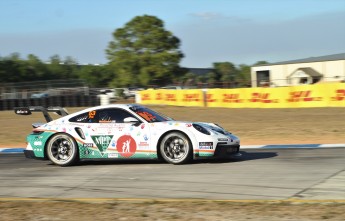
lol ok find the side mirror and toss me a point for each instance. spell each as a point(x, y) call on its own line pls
point(130, 120)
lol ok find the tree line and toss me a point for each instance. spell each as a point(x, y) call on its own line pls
point(142, 53)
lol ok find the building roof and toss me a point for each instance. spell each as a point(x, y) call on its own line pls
point(309, 71)
point(332, 57)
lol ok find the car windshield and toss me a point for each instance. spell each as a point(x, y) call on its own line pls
point(149, 115)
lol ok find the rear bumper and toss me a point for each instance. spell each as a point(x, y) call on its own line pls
point(31, 155)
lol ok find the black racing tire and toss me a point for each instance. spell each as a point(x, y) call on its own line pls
point(62, 150)
point(176, 148)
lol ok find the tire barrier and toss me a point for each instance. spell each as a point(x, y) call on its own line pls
point(62, 101)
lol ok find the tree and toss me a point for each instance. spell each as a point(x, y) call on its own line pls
point(225, 70)
point(260, 63)
point(211, 78)
point(243, 77)
point(12, 69)
point(96, 76)
point(36, 69)
point(143, 53)
point(55, 68)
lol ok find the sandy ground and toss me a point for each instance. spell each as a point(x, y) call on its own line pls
point(179, 210)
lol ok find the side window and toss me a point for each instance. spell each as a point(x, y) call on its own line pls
point(87, 117)
point(112, 115)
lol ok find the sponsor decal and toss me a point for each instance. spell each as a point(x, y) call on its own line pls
point(146, 115)
point(143, 146)
point(102, 142)
point(37, 149)
point(113, 155)
point(108, 128)
point(159, 96)
point(210, 98)
point(170, 97)
point(23, 112)
point(232, 98)
point(205, 145)
point(145, 97)
point(262, 98)
point(191, 97)
point(223, 139)
point(38, 143)
point(126, 146)
point(88, 145)
point(302, 96)
point(340, 95)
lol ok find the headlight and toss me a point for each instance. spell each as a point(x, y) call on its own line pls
point(201, 129)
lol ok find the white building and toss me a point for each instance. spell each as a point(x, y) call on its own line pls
point(302, 71)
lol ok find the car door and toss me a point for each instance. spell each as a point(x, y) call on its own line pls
point(115, 137)
point(103, 133)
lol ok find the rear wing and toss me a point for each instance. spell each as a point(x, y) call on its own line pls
point(45, 111)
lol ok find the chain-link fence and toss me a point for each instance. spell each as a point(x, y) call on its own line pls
point(65, 93)
point(42, 89)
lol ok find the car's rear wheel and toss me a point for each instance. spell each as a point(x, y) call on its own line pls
point(62, 150)
point(176, 148)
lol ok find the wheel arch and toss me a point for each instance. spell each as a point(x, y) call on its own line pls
point(171, 131)
point(54, 134)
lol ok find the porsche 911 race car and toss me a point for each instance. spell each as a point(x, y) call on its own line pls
point(123, 131)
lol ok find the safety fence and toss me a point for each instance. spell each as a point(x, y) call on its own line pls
point(317, 95)
point(63, 101)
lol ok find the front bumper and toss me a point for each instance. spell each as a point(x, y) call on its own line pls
point(225, 150)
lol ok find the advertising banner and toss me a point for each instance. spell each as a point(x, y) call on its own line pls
point(267, 97)
point(316, 95)
point(307, 96)
point(194, 97)
point(147, 97)
point(336, 94)
point(213, 97)
point(171, 97)
point(234, 98)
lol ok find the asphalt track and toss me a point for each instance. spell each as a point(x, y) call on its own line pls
point(261, 174)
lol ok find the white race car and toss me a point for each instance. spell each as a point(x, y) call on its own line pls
point(127, 131)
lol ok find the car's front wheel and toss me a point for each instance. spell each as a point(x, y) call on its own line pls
point(176, 148)
point(62, 150)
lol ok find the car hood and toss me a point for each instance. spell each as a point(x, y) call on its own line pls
point(214, 127)
point(211, 126)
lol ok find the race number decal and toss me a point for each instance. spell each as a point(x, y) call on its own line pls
point(92, 114)
point(147, 116)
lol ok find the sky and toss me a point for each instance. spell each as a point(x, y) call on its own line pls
point(237, 31)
